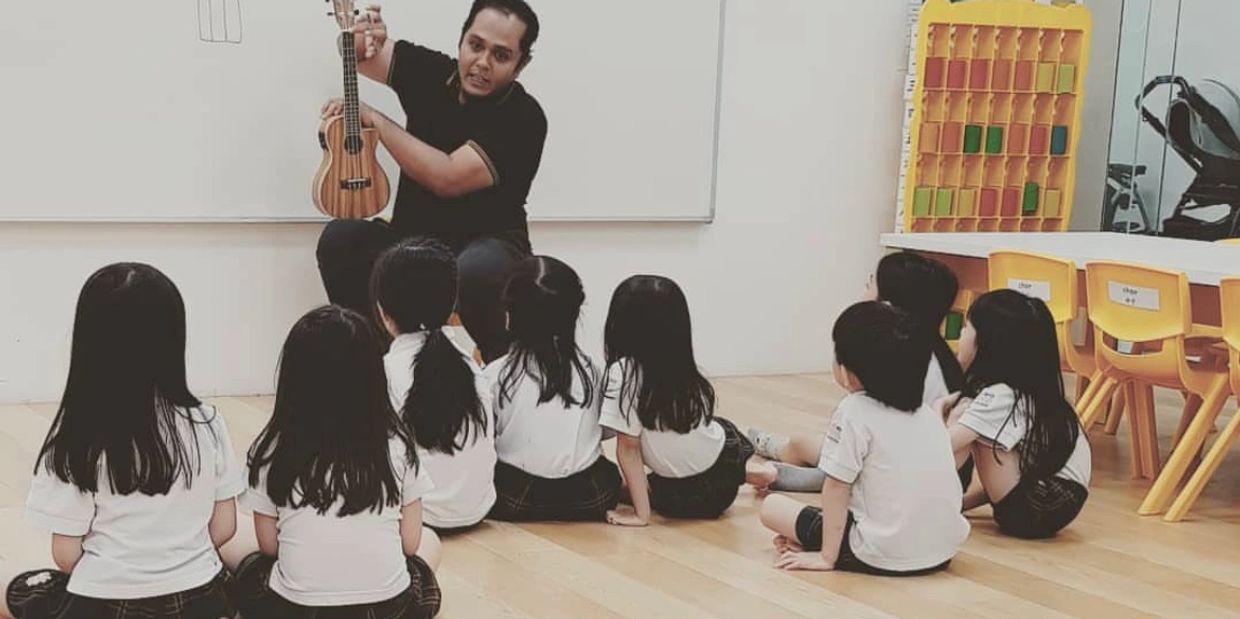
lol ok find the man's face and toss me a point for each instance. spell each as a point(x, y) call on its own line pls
point(490, 57)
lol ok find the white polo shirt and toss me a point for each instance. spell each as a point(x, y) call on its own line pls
point(547, 439)
point(667, 453)
point(138, 546)
point(991, 416)
point(326, 560)
point(465, 480)
point(905, 496)
point(936, 386)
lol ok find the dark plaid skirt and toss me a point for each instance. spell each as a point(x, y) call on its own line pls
point(253, 596)
point(43, 594)
point(1039, 508)
point(584, 496)
point(709, 493)
point(809, 535)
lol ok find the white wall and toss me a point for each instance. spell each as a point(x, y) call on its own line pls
point(807, 181)
point(1092, 154)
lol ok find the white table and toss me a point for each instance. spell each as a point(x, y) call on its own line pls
point(966, 253)
point(1205, 263)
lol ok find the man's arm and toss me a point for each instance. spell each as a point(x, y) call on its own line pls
point(460, 173)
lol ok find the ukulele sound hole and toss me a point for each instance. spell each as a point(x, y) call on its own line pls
point(353, 144)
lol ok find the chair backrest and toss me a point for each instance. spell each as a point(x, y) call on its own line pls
point(1134, 303)
point(1055, 281)
point(1229, 292)
point(1046, 277)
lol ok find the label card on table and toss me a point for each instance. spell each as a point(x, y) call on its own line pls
point(1031, 288)
point(1134, 296)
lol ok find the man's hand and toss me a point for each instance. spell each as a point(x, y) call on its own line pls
point(335, 107)
point(369, 33)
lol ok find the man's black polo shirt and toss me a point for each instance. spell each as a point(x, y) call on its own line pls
point(507, 130)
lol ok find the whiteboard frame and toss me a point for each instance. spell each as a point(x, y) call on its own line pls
point(312, 219)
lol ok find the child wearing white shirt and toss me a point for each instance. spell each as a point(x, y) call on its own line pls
point(436, 388)
point(136, 479)
point(662, 409)
point(548, 438)
point(926, 289)
point(336, 488)
point(891, 501)
point(1032, 455)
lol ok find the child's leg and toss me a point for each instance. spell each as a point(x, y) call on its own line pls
point(779, 514)
point(799, 449)
point(243, 544)
point(803, 450)
point(789, 478)
point(430, 548)
point(760, 474)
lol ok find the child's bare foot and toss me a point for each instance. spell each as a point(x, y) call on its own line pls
point(760, 475)
point(785, 544)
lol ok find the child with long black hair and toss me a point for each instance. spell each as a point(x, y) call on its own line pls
point(663, 409)
point(548, 438)
point(335, 488)
point(924, 288)
point(1031, 453)
point(890, 504)
point(435, 387)
point(136, 479)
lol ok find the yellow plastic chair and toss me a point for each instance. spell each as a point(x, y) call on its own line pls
point(1150, 307)
point(1054, 280)
point(1229, 290)
point(1230, 241)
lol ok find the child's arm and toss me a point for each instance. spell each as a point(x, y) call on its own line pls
point(629, 453)
point(223, 524)
point(411, 528)
point(835, 495)
point(66, 551)
point(268, 536)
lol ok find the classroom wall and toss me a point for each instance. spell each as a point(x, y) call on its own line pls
point(1092, 154)
point(807, 179)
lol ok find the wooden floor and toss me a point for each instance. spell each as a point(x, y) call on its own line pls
point(1109, 563)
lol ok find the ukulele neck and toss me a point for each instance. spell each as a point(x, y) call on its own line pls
point(352, 111)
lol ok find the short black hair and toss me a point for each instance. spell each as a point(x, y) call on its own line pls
point(521, 9)
point(880, 344)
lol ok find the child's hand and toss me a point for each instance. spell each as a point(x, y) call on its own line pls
point(786, 544)
point(625, 516)
point(957, 411)
point(811, 561)
point(945, 404)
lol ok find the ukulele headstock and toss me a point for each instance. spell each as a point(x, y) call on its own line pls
point(344, 12)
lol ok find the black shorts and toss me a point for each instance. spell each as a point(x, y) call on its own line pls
point(253, 596)
point(711, 492)
point(809, 534)
point(43, 594)
point(583, 496)
point(1039, 508)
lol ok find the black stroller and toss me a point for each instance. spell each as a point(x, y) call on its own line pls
point(1202, 125)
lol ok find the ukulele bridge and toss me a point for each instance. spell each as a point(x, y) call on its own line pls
point(353, 184)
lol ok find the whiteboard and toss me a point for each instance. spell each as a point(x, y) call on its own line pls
point(119, 112)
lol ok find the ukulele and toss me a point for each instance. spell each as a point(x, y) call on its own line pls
point(349, 183)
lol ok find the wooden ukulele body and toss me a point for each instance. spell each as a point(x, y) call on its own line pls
point(349, 184)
